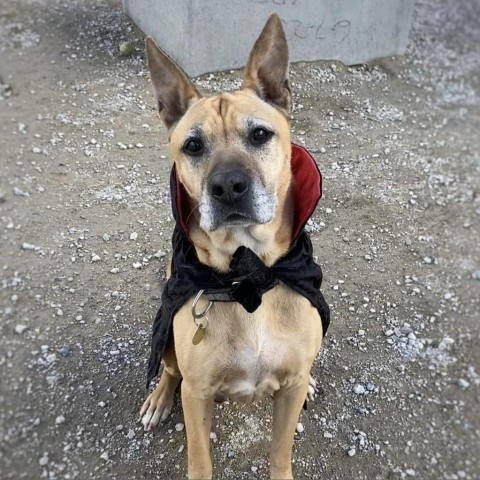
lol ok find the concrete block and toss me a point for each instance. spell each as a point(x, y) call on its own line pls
point(212, 35)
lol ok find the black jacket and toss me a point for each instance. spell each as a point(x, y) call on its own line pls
point(252, 277)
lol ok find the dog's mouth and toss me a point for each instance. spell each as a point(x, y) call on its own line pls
point(237, 219)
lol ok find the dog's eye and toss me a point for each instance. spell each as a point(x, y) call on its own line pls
point(260, 135)
point(194, 146)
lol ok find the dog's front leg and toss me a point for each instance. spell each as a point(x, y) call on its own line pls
point(197, 412)
point(287, 405)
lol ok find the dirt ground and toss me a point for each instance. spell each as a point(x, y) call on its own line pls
point(85, 222)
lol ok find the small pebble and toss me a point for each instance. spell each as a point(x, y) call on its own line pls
point(133, 236)
point(463, 383)
point(104, 456)
point(60, 419)
point(179, 427)
point(359, 389)
point(19, 192)
point(51, 357)
point(351, 452)
point(20, 328)
point(300, 428)
point(95, 258)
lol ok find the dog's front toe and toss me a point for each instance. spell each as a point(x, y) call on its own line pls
point(158, 405)
point(312, 388)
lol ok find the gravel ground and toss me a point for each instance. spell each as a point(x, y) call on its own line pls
point(85, 229)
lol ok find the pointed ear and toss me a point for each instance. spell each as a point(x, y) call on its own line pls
point(266, 72)
point(173, 90)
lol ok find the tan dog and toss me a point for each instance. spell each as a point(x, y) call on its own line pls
point(232, 156)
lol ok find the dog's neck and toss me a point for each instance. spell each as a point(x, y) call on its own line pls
point(269, 242)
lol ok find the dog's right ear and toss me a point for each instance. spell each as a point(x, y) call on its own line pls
point(173, 90)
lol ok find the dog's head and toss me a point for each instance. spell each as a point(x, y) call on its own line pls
point(231, 151)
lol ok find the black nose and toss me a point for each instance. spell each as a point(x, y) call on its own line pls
point(230, 185)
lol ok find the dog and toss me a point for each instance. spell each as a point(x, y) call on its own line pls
point(235, 320)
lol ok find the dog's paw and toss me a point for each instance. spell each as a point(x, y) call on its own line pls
point(156, 408)
point(312, 388)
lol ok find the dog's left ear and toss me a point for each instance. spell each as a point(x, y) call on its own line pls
point(266, 72)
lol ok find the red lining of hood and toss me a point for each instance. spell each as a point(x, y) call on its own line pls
point(306, 191)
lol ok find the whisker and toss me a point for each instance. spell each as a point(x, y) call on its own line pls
point(191, 213)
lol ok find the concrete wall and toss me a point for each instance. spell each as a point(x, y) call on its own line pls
point(211, 35)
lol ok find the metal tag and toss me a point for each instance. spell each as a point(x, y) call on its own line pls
point(198, 335)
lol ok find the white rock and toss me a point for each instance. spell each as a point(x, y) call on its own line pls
point(137, 265)
point(20, 328)
point(60, 419)
point(104, 456)
point(352, 452)
point(51, 357)
point(19, 192)
point(133, 236)
point(463, 383)
point(95, 257)
point(179, 427)
point(159, 254)
point(300, 428)
point(106, 237)
point(410, 472)
point(114, 270)
point(28, 246)
point(359, 389)
point(44, 460)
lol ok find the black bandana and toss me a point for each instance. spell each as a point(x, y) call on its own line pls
point(248, 277)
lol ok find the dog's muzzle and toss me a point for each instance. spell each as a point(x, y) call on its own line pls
point(230, 190)
point(232, 196)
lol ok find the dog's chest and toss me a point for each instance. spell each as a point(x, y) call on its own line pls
point(257, 361)
point(252, 367)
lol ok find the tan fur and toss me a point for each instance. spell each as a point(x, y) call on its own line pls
point(243, 356)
